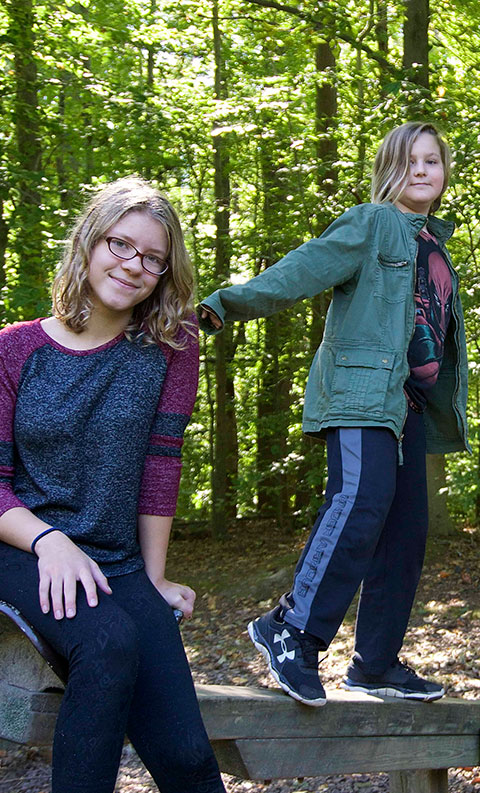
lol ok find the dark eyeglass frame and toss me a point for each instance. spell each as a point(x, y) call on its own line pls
point(108, 240)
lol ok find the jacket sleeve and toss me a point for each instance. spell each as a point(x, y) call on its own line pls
point(319, 264)
point(163, 463)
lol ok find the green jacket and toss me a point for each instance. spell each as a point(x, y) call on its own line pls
point(368, 256)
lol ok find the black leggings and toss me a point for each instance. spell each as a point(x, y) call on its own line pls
point(128, 674)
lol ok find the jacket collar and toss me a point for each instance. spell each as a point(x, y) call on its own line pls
point(441, 229)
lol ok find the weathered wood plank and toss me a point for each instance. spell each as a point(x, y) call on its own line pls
point(285, 758)
point(232, 712)
point(247, 712)
point(435, 781)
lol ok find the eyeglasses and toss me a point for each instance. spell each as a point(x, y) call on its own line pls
point(124, 250)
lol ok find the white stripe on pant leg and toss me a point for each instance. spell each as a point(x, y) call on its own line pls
point(329, 530)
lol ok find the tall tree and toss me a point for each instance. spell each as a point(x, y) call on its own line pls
point(415, 39)
point(30, 294)
point(226, 449)
point(313, 467)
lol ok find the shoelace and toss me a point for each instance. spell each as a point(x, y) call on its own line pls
point(405, 667)
point(310, 649)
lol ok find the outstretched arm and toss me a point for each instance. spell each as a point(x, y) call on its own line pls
point(319, 264)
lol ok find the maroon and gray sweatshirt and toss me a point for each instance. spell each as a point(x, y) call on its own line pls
point(90, 439)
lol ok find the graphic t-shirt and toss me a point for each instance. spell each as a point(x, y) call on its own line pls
point(433, 308)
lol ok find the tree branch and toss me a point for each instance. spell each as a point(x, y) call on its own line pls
point(329, 19)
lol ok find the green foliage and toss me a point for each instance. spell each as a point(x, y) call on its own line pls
point(128, 87)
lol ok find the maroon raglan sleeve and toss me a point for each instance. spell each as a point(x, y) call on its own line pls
point(163, 464)
point(16, 344)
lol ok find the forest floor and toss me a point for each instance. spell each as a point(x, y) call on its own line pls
point(240, 578)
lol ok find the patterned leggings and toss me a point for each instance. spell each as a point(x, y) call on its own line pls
point(128, 674)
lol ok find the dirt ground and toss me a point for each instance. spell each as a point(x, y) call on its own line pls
point(240, 578)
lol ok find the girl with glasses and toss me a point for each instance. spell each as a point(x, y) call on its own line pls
point(94, 401)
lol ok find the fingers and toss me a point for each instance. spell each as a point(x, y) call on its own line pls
point(61, 591)
point(212, 317)
point(56, 596)
point(58, 579)
point(63, 595)
point(100, 579)
point(188, 601)
point(70, 596)
point(88, 582)
point(44, 593)
point(90, 578)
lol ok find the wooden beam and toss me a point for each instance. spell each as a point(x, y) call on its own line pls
point(248, 712)
point(286, 758)
point(435, 781)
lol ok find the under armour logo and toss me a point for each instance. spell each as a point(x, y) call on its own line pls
point(281, 637)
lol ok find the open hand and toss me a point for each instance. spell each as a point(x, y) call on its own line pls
point(61, 564)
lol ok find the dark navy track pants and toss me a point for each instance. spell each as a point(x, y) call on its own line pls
point(128, 674)
point(371, 531)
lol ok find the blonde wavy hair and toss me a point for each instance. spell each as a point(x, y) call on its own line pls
point(168, 310)
point(392, 162)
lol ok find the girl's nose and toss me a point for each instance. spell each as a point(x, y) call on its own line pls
point(134, 264)
point(419, 167)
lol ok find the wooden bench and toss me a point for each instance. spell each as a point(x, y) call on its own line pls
point(263, 734)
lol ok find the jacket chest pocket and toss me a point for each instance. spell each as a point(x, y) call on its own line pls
point(360, 381)
point(392, 278)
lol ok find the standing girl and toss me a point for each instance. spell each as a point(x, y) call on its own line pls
point(94, 401)
point(388, 383)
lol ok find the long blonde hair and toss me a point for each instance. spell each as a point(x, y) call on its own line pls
point(168, 310)
point(392, 162)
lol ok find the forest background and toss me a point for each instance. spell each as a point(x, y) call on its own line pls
point(259, 120)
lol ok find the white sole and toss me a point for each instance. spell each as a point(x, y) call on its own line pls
point(386, 691)
point(314, 703)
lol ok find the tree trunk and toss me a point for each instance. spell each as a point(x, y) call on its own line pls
point(415, 39)
point(273, 400)
point(30, 295)
point(272, 422)
point(381, 27)
point(312, 470)
point(439, 521)
point(226, 444)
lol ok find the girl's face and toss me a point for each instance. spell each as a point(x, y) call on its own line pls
point(117, 285)
point(425, 178)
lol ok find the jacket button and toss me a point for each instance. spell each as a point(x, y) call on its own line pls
point(384, 360)
point(344, 357)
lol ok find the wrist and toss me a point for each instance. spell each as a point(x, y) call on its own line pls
point(157, 579)
point(39, 537)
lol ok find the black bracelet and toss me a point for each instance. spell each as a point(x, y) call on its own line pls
point(39, 537)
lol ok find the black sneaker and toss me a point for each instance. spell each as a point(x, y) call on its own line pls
point(399, 680)
point(291, 655)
